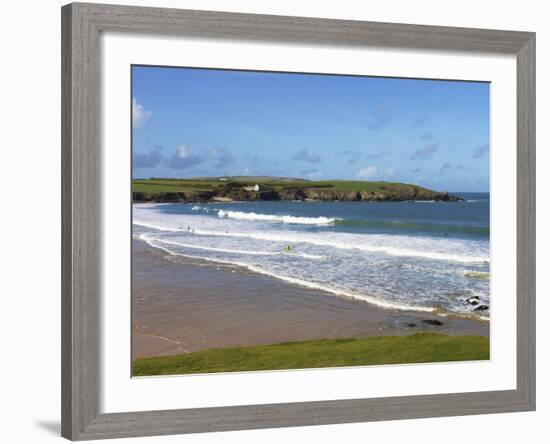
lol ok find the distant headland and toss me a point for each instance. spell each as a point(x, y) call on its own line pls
point(265, 188)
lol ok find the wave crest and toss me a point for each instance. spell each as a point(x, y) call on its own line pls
point(240, 215)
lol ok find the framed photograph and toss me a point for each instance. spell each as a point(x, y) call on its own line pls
point(278, 221)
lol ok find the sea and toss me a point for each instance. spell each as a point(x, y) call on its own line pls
point(423, 256)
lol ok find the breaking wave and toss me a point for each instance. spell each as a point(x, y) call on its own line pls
point(286, 219)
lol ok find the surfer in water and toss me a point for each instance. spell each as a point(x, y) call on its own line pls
point(288, 248)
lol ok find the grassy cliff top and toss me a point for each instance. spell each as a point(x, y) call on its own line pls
point(197, 185)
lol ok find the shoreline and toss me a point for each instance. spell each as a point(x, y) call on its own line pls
point(182, 305)
point(295, 282)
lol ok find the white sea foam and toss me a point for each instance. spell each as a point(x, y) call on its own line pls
point(396, 271)
point(303, 283)
point(338, 292)
point(147, 237)
point(156, 226)
point(353, 243)
point(343, 242)
point(286, 219)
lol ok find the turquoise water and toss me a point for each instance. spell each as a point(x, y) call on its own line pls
point(401, 255)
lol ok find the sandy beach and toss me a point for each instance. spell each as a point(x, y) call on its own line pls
point(182, 305)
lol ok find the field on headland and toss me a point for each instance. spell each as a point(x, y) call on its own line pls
point(207, 184)
point(416, 348)
point(244, 188)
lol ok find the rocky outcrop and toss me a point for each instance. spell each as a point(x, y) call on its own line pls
point(238, 193)
point(473, 300)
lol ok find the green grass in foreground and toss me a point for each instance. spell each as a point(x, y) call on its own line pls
point(416, 348)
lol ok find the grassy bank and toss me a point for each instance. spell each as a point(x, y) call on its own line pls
point(416, 348)
point(277, 184)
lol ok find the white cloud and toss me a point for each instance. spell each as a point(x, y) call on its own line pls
point(371, 172)
point(139, 115)
point(184, 151)
point(368, 172)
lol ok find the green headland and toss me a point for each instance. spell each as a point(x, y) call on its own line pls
point(243, 188)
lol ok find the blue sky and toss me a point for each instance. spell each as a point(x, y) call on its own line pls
point(197, 122)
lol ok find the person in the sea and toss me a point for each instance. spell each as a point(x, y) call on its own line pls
point(288, 248)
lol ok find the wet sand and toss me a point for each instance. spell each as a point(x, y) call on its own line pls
point(181, 305)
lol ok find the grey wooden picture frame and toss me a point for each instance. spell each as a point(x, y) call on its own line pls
point(81, 232)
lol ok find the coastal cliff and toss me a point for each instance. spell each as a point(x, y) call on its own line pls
point(273, 189)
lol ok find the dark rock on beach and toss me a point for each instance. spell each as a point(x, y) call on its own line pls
point(432, 321)
point(481, 308)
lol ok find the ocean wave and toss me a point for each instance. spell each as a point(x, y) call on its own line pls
point(303, 283)
point(287, 219)
point(396, 262)
point(368, 298)
point(387, 249)
point(156, 227)
point(203, 209)
point(411, 225)
point(147, 237)
point(289, 238)
point(342, 293)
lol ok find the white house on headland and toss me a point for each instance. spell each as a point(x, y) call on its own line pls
point(252, 187)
